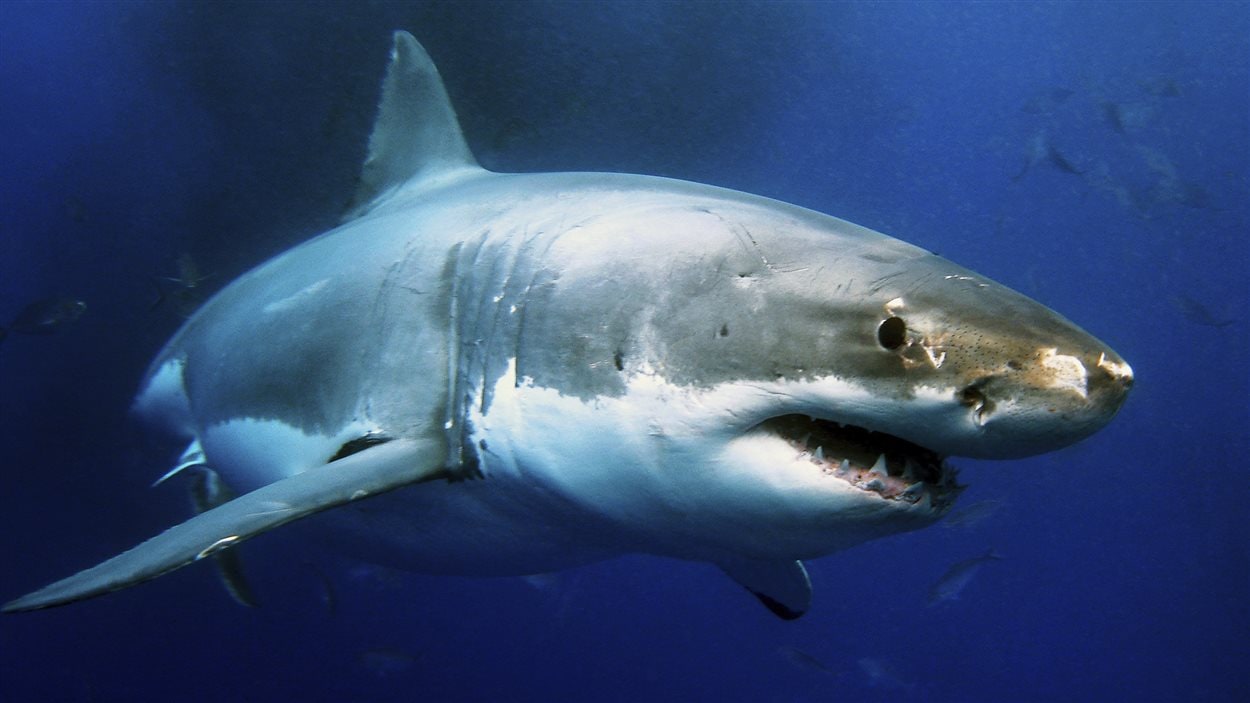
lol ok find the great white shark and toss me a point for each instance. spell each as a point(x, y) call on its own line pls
point(507, 374)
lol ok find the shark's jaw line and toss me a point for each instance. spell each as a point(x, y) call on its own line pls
point(766, 452)
point(876, 463)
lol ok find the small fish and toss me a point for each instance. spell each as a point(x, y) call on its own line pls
point(44, 317)
point(1042, 151)
point(1061, 162)
point(182, 290)
point(189, 275)
point(1167, 191)
point(1035, 154)
point(1161, 87)
point(1170, 187)
point(803, 660)
point(1113, 114)
point(883, 674)
point(973, 514)
point(1198, 313)
point(957, 578)
point(1124, 117)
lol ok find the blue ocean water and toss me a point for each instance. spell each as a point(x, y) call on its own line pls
point(134, 133)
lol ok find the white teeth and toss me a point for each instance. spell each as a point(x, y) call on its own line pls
point(820, 454)
point(913, 490)
point(845, 466)
point(875, 485)
point(879, 467)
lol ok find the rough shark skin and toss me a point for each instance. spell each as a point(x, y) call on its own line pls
point(545, 370)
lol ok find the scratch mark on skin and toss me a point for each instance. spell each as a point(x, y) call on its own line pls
point(744, 235)
point(223, 543)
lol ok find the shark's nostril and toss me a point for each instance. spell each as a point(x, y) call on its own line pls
point(975, 398)
point(1119, 372)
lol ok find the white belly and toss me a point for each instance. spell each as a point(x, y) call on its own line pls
point(482, 527)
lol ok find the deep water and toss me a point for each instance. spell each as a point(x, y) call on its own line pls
point(1095, 156)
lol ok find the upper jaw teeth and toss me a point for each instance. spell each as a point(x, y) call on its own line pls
point(875, 462)
point(907, 484)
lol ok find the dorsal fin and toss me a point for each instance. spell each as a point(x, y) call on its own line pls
point(416, 138)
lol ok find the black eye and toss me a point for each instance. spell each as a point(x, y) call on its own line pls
point(892, 333)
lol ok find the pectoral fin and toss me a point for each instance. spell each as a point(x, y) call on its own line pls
point(192, 458)
point(782, 586)
point(380, 468)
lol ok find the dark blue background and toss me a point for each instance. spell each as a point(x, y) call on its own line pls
point(133, 132)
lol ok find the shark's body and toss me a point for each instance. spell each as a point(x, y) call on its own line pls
point(546, 370)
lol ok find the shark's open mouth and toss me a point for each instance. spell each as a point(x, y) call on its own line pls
point(889, 466)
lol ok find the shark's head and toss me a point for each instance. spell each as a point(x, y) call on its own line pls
point(785, 382)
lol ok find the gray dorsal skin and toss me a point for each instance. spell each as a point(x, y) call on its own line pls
point(377, 470)
point(562, 368)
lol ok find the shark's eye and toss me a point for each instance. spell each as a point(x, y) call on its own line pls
point(892, 333)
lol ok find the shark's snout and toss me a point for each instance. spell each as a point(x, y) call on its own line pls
point(1115, 379)
point(1110, 379)
point(1053, 400)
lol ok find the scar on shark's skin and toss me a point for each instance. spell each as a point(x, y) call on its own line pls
point(481, 373)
